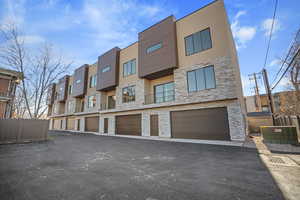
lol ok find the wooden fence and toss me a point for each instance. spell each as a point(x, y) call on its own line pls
point(23, 130)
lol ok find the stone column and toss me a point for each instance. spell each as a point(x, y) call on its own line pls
point(145, 124)
point(164, 124)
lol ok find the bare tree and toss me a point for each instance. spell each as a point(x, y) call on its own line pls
point(292, 72)
point(40, 67)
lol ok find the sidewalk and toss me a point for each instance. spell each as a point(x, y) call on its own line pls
point(284, 167)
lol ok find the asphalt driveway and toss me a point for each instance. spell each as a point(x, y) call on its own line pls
point(84, 166)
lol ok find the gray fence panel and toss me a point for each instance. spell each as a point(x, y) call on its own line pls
point(22, 130)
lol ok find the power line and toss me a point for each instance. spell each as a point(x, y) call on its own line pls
point(271, 32)
point(290, 64)
point(282, 65)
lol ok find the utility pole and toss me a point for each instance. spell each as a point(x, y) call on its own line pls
point(268, 91)
point(256, 88)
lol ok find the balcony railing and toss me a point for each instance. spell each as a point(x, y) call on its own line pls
point(105, 106)
point(160, 97)
point(6, 94)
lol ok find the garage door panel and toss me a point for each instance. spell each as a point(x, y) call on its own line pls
point(128, 125)
point(71, 124)
point(56, 124)
point(206, 124)
point(92, 124)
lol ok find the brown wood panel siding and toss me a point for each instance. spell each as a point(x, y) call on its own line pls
point(205, 124)
point(108, 80)
point(163, 59)
point(4, 83)
point(92, 124)
point(105, 125)
point(51, 94)
point(70, 123)
point(80, 81)
point(129, 125)
point(62, 88)
point(154, 125)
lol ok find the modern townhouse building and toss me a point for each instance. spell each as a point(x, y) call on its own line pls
point(181, 79)
point(8, 82)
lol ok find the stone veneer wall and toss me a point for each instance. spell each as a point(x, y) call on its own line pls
point(226, 88)
point(225, 82)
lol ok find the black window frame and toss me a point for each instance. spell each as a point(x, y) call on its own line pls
point(164, 96)
point(193, 35)
point(205, 88)
point(129, 62)
point(129, 98)
point(70, 90)
point(93, 79)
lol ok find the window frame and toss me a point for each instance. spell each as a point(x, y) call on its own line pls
point(164, 97)
point(192, 35)
point(88, 101)
point(130, 62)
point(107, 68)
point(93, 81)
point(128, 101)
point(156, 49)
point(70, 105)
point(70, 89)
point(205, 88)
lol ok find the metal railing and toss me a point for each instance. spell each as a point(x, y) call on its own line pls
point(6, 94)
point(160, 97)
point(105, 106)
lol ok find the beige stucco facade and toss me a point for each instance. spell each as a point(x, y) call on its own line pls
point(227, 93)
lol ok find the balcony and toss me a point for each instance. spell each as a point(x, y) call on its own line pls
point(160, 97)
point(6, 95)
point(105, 106)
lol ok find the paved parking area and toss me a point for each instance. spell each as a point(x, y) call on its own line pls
point(83, 166)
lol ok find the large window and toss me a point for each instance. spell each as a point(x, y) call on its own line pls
point(128, 94)
point(93, 81)
point(106, 68)
point(70, 89)
point(111, 102)
point(129, 67)
point(201, 79)
point(164, 92)
point(154, 47)
point(197, 42)
point(91, 101)
point(71, 106)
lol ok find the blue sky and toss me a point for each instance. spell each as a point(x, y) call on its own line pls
point(83, 29)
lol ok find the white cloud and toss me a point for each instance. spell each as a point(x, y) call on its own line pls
point(266, 26)
point(275, 63)
point(242, 34)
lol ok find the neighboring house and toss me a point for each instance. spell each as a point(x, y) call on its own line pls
point(8, 82)
point(181, 79)
point(282, 101)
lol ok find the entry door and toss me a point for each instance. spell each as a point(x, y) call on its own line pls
point(154, 125)
point(78, 124)
point(105, 125)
